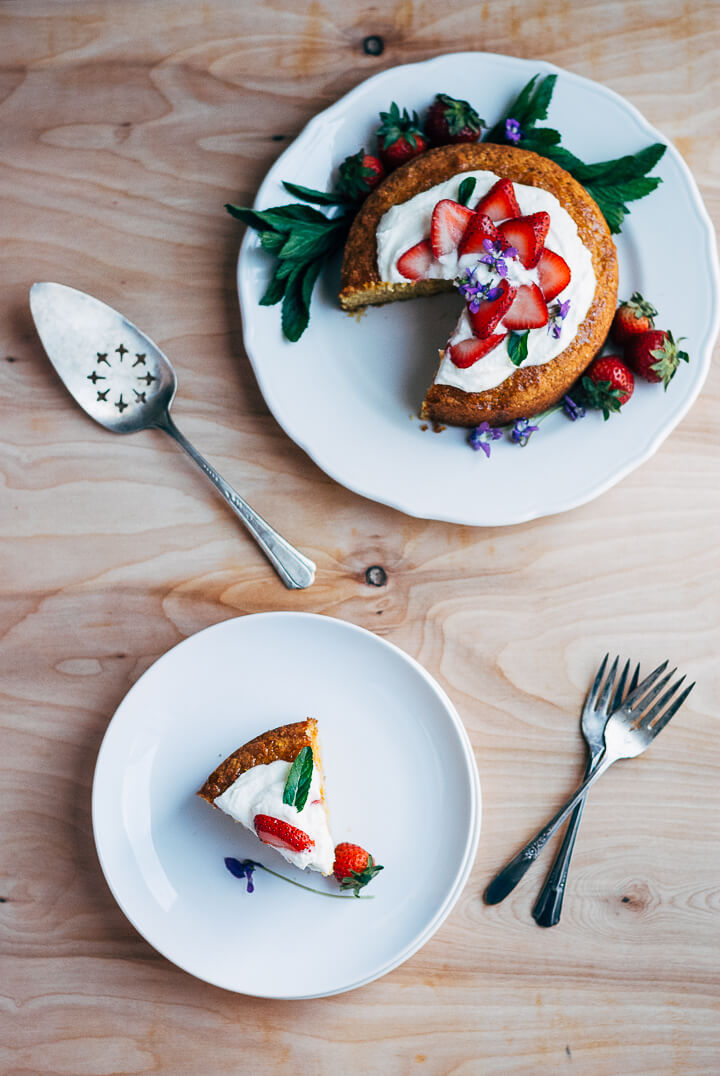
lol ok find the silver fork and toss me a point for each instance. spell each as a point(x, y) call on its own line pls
point(548, 906)
point(628, 732)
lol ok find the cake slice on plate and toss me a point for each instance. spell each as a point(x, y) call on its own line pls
point(274, 786)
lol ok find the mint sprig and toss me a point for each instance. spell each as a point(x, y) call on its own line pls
point(612, 184)
point(302, 239)
point(298, 780)
point(465, 190)
point(517, 345)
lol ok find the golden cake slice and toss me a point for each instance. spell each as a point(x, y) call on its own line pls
point(274, 785)
point(401, 247)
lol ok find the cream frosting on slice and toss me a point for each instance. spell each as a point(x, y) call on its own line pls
point(259, 790)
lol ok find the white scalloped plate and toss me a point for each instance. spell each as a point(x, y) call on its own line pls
point(348, 390)
point(400, 776)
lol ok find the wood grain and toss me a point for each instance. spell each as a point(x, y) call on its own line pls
point(125, 127)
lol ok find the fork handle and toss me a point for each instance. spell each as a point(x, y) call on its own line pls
point(548, 906)
point(295, 570)
point(504, 882)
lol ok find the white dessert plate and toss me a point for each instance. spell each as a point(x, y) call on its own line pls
point(401, 780)
point(348, 391)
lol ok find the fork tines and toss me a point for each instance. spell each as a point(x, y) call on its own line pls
point(637, 707)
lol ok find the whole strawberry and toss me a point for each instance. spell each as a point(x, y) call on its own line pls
point(359, 174)
point(608, 384)
point(655, 356)
point(449, 121)
point(400, 137)
point(354, 867)
point(632, 317)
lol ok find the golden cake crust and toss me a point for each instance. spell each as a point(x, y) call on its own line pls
point(531, 389)
point(283, 743)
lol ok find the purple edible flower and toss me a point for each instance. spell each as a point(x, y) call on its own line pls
point(242, 869)
point(513, 131)
point(558, 312)
point(475, 293)
point(572, 410)
point(495, 255)
point(481, 437)
point(522, 431)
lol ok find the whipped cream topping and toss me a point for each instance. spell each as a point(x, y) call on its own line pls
point(406, 224)
point(260, 791)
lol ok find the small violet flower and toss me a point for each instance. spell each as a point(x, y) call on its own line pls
point(475, 293)
point(572, 410)
point(522, 431)
point(242, 869)
point(481, 437)
point(495, 256)
point(558, 312)
point(513, 131)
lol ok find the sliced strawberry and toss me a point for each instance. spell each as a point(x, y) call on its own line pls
point(527, 235)
point(490, 312)
point(528, 311)
point(416, 261)
point(281, 834)
point(500, 202)
point(553, 274)
point(479, 229)
point(467, 352)
point(448, 224)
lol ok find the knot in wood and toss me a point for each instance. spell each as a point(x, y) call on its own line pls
point(373, 45)
point(375, 576)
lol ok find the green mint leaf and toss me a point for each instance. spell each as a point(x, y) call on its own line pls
point(297, 783)
point(613, 211)
point(249, 216)
point(466, 188)
point(279, 219)
point(295, 311)
point(621, 169)
point(529, 106)
point(285, 216)
point(306, 243)
point(296, 302)
point(630, 191)
point(275, 289)
point(308, 281)
point(307, 194)
point(539, 137)
point(520, 108)
point(271, 241)
point(517, 346)
point(557, 153)
point(540, 102)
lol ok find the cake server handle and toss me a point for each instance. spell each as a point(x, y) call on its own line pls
point(296, 570)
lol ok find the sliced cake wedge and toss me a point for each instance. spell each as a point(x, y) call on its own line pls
point(274, 785)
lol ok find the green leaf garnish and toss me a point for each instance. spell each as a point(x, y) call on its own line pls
point(297, 783)
point(529, 106)
point(610, 183)
point(466, 188)
point(517, 346)
point(307, 194)
point(302, 239)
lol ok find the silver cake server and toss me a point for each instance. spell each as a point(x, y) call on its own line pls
point(123, 381)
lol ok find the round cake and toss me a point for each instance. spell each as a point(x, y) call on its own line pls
point(531, 253)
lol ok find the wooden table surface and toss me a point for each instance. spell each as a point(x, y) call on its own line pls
point(124, 128)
